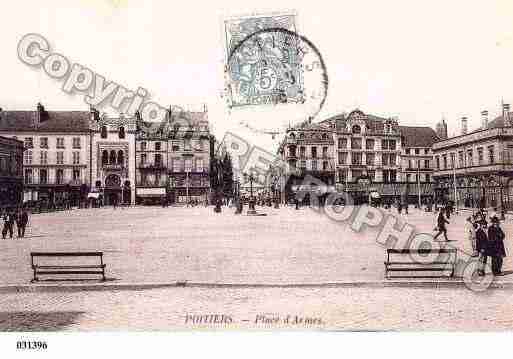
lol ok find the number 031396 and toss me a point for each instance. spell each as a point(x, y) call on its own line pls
point(31, 345)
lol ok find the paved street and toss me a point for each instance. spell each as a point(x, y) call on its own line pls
point(450, 308)
point(165, 245)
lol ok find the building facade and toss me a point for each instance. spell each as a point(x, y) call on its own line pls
point(11, 172)
point(366, 156)
point(56, 155)
point(476, 169)
point(78, 155)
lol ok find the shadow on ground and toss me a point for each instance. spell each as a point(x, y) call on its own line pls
point(37, 321)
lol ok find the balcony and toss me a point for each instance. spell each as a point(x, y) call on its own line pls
point(151, 166)
point(113, 166)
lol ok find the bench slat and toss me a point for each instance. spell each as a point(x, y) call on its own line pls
point(69, 267)
point(420, 264)
point(70, 272)
point(65, 254)
point(416, 269)
point(420, 251)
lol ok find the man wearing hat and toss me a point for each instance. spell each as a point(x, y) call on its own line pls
point(495, 247)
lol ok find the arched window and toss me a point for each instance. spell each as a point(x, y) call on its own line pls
point(112, 159)
point(292, 135)
point(121, 157)
point(105, 157)
point(103, 133)
point(324, 136)
point(302, 136)
point(121, 132)
point(357, 129)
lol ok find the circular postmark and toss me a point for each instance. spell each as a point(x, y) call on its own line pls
point(280, 68)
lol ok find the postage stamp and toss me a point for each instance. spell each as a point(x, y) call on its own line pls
point(269, 63)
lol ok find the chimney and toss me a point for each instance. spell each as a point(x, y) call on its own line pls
point(484, 119)
point(41, 114)
point(464, 125)
point(505, 114)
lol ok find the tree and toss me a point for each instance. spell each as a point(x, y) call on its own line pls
point(227, 168)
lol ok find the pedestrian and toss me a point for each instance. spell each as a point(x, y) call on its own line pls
point(441, 222)
point(470, 230)
point(22, 221)
point(494, 214)
point(482, 246)
point(406, 207)
point(399, 207)
point(4, 223)
point(495, 246)
point(8, 223)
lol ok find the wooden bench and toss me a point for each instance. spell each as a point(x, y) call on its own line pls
point(399, 260)
point(46, 269)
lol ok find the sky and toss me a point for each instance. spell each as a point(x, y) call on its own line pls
point(415, 60)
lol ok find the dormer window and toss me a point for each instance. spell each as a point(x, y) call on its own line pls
point(292, 135)
point(121, 132)
point(103, 132)
point(356, 129)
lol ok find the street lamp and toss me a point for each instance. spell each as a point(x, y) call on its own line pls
point(250, 178)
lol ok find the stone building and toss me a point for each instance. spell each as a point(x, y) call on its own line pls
point(476, 169)
point(309, 148)
point(113, 160)
point(11, 172)
point(56, 155)
point(364, 155)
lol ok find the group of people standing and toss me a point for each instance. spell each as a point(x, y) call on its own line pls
point(10, 217)
point(486, 241)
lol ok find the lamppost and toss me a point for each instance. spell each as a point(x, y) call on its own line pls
point(250, 178)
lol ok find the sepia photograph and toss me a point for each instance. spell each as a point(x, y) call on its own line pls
point(236, 166)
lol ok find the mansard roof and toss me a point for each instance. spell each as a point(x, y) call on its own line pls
point(51, 121)
point(415, 136)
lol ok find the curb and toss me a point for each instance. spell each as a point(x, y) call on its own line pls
point(42, 288)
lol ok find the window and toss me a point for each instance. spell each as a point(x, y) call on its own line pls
point(105, 157)
point(143, 159)
point(301, 136)
point(491, 155)
point(76, 174)
point(76, 158)
point(426, 152)
point(393, 176)
point(356, 158)
point(480, 156)
point(292, 151)
point(28, 176)
point(76, 142)
point(342, 175)
point(121, 158)
point(469, 158)
point(121, 132)
point(408, 178)
point(143, 146)
point(158, 178)
point(44, 157)
point(112, 157)
point(386, 177)
point(175, 147)
point(342, 158)
point(325, 165)
point(314, 152)
point(60, 142)
point(302, 164)
point(409, 164)
point(407, 151)
point(158, 159)
point(417, 151)
point(371, 174)
point(426, 163)
point(29, 142)
point(393, 158)
point(444, 157)
point(157, 146)
point(187, 144)
point(59, 176)
point(369, 144)
point(43, 176)
point(302, 151)
point(188, 165)
point(103, 132)
point(356, 143)
point(356, 129)
point(325, 152)
point(199, 165)
point(370, 158)
point(28, 157)
point(356, 174)
point(177, 165)
point(342, 143)
point(428, 178)
point(60, 158)
point(314, 165)
point(453, 160)
point(437, 162)
point(43, 142)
